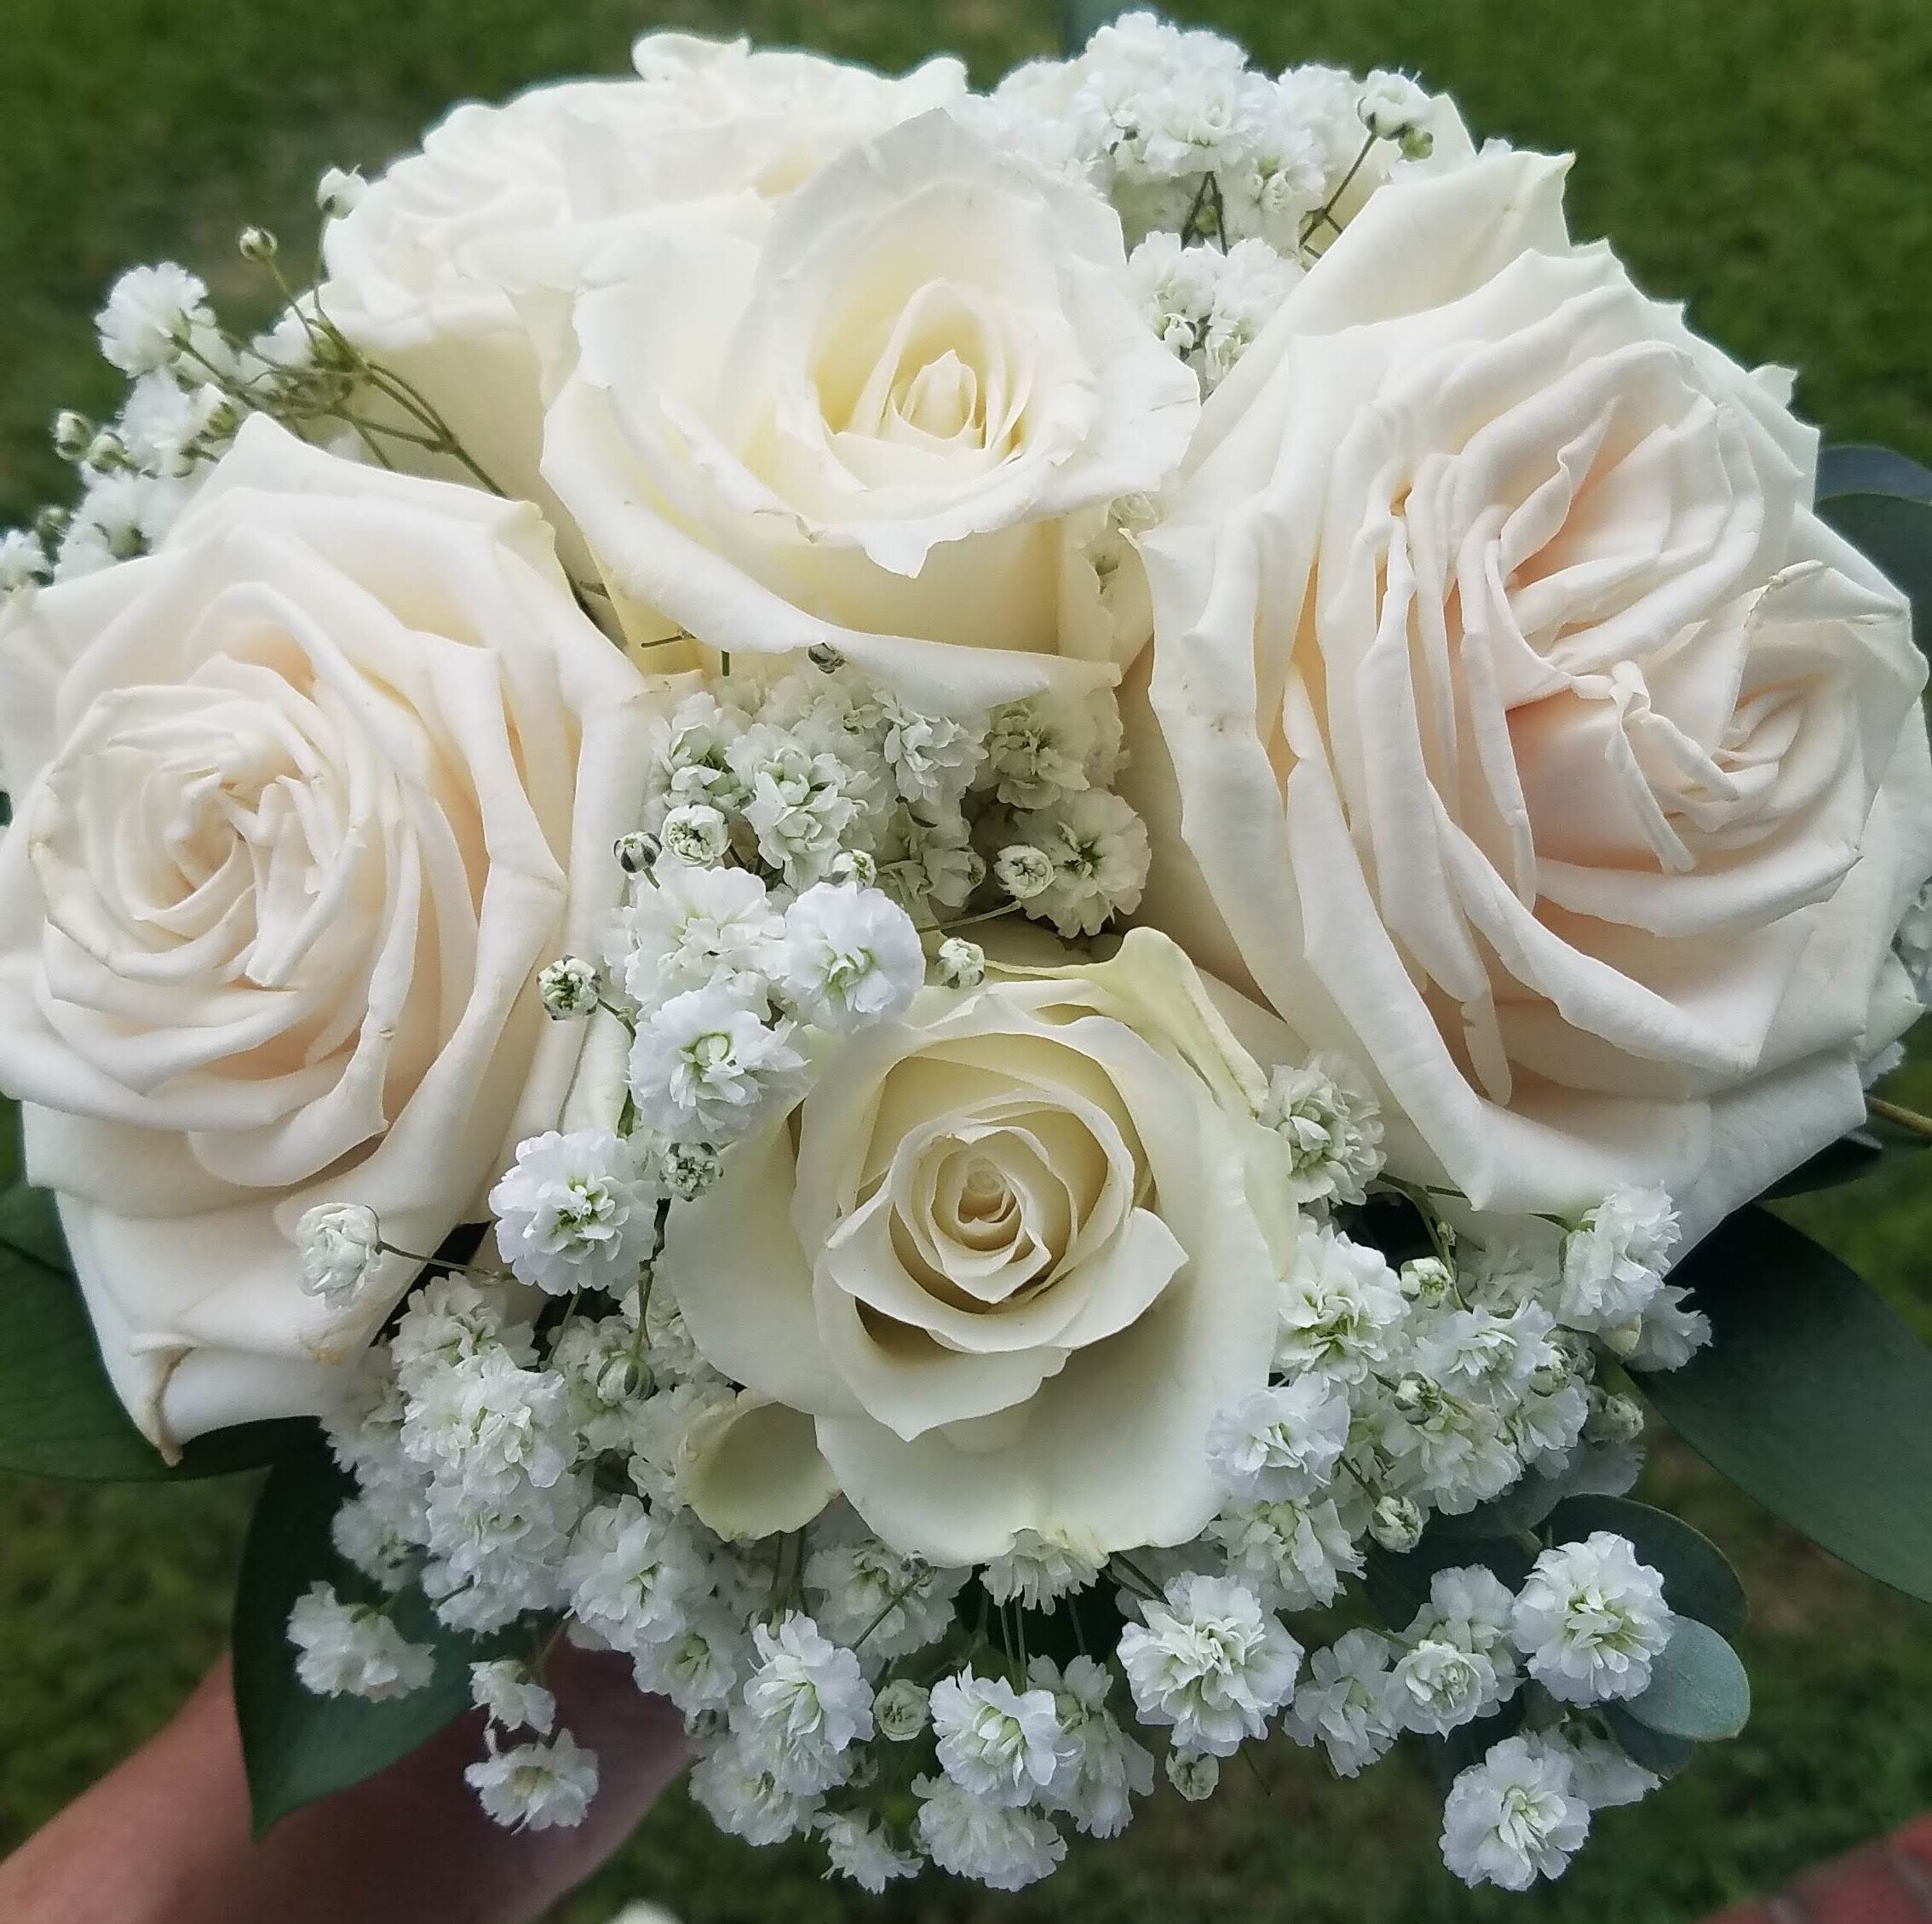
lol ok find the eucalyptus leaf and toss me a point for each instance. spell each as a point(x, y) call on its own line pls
point(1697, 1578)
point(1814, 1396)
point(1698, 1689)
point(1470, 1743)
point(1663, 1756)
point(1080, 19)
point(298, 1747)
point(1863, 468)
point(1521, 1507)
point(1861, 1153)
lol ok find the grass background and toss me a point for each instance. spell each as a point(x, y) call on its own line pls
point(1762, 159)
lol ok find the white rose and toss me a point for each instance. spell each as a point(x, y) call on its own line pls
point(301, 802)
point(1010, 1258)
point(1534, 740)
point(888, 415)
point(415, 270)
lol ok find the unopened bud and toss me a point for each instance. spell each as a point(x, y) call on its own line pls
point(691, 1169)
point(901, 1710)
point(1194, 1774)
point(636, 852)
point(1426, 1280)
point(856, 866)
point(1023, 871)
point(1412, 1393)
point(1613, 1418)
point(959, 964)
point(1396, 1524)
point(825, 657)
point(338, 192)
point(73, 434)
point(696, 833)
point(258, 244)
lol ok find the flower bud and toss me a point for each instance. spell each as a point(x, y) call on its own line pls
point(1194, 1774)
point(1413, 1394)
point(901, 1710)
point(51, 523)
point(1613, 1418)
point(336, 1246)
point(825, 657)
point(960, 964)
point(1023, 871)
point(635, 853)
point(567, 987)
point(106, 452)
point(258, 244)
point(73, 434)
point(1396, 1524)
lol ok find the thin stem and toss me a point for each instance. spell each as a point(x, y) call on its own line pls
point(1325, 213)
point(1900, 1117)
point(899, 1596)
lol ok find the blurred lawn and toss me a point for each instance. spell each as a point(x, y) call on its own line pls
point(1762, 159)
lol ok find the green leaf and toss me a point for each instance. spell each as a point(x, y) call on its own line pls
point(1697, 1687)
point(59, 1414)
point(1697, 1578)
point(1881, 502)
point(1470, 1743)
point(1862, 467)
point(1814, 1396)
point(1861, 1153)
point(298, 1747)
point(1398, 1585)
point(1665, 1755)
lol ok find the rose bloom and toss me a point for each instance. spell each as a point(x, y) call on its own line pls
point(1005, 1263)
point(419, 273)
point(1516, 726)
point(300, 802)
point(888, 414)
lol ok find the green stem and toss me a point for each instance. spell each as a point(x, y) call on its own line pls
point(1900, 1117)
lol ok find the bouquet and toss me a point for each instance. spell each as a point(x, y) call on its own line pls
point(984, 915)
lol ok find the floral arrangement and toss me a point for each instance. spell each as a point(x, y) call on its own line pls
point(983, 916)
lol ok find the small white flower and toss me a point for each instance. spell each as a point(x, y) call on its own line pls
point(1590, 1618)
point(510, 1697)
point(1050, 746)
point(151, 312)
point(23, 561)
point(697, 1668)
point(1294, 1554)
point(1194, 1773)
point(902, 1710)
point(336, 1246)
point(710, 1065)
point(1281, 1443)
point(738, 1791)
point(997, 1743)
point(1513, 1818)
point(1098, 855)
point(536, 1786)
point(807, 1704)
point(1615, 1260)
point(349, 1649)
point(340, 192)
point(631, 1575)
point(1471, 1607)
point(1039, 1570)
point(860, 1588)
point(1332, 1125)
point(698, 833)
point(691, 1169)
point(1102, 1770)
point(1347, 1703)
point(1671, 1332)
point(368, 1535)
point(692, 927)
point(932, 757)
point(1440, 1686)
point(1338, 1307)
point(575, 1212)
point(164, 427)
point(1394, 108)
point(861, 1849)
point(567, 987)
point(1002, 1848)
point(1601, 1772)
point(959, 964)
point(1210, 1662)
point(851, 957)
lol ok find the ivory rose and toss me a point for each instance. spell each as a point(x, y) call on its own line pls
point(1010, 1257)
point(301, 802)
point(888, 414)
point(1516, 726)
point(415, 271)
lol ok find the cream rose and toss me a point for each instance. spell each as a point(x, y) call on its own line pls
point(1516, 726)
point(888, 414)
point(1010, 1257)
point(300, 800)
point(414, 272)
